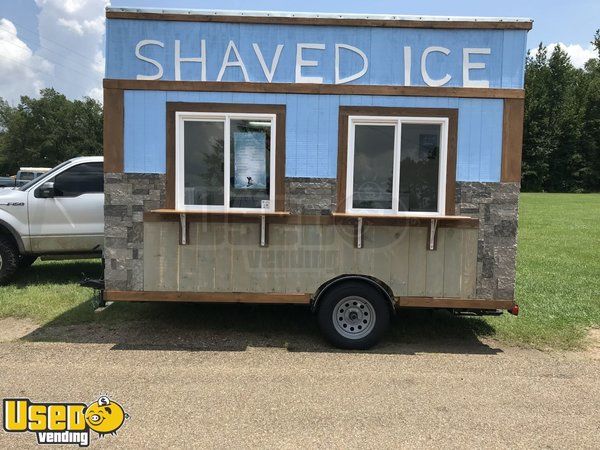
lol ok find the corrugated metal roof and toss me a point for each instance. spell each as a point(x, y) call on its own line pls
point(313, 15)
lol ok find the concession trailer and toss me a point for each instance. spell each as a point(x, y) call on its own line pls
point(356, 164)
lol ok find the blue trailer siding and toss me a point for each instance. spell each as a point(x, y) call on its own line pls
point(383, 47)
point(312, 129)
point(312, 120)
point(515, 43)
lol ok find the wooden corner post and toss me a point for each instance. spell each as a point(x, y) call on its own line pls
point(512, 139)
point(114, 116)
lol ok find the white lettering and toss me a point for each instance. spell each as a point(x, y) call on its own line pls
point(66, 437)
point(428, 80)
point(300, 63)
point(261, 59)
point(138, 54)
point(358, 74)
point(468, 65)
point(179, 60)
point(407, 65)
point(232, 58)
point(237, 63)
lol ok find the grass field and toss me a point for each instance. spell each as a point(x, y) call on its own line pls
point(558, 271)
point(558, 286)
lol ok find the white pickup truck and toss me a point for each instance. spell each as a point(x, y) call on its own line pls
point(58, 215)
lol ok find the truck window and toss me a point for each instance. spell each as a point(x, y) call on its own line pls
point(86, 178)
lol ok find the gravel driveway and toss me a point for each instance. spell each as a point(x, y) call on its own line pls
point(186, 387)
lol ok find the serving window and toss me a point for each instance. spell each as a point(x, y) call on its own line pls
point(401, 164)
point(225, 159)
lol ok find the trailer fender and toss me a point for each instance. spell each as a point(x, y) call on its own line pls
point(380, 285)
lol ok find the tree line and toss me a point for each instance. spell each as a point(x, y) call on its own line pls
point(48, 130)
point(561, 146)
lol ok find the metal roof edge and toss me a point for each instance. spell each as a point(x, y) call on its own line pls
point(315, 15)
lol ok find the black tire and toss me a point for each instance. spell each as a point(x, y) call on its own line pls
point(365, 306)
point(9, 259)
point(26, 261)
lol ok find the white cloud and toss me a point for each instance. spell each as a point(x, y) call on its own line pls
point(23, 72)
point(578, 54)
point(72, 25)
point(96, 93)
point(96, 25)
point(99, 62)
point(71, 36)
point(70, 53)
point(67, 6)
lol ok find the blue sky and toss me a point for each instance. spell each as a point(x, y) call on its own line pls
point(60, 42)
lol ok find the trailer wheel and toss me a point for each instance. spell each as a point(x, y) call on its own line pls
point(353, 315)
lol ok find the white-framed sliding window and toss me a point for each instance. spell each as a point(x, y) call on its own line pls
point(225, 161)
point(397, 165)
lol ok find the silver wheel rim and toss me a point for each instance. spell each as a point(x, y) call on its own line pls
point(0, 262)
point(353, 317)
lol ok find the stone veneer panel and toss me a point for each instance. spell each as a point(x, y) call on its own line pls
point(497, 207)
point(310, 196)
point(126, 197)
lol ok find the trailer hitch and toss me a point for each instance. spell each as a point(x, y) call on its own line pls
point(98, 302)
point(93, 284)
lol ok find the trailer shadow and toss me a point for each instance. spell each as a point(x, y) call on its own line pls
point(237, 327)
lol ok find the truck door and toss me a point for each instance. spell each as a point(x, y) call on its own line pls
point(73, 220)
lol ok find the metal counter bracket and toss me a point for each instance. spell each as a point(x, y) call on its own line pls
point(432, 234)
point(359, 233)
point(183, 240)
point(263, 231)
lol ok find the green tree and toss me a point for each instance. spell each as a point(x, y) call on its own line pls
point(590, 134)
point(561, 147)
point(566, 119)
point(536, 140)
point(48, 130)
point(5, 113)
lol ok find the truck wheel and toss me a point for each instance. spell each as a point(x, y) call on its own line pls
point(26, 261)
point(353, 315)
point(9, 259)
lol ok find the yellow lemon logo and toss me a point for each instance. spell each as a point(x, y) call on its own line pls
point(105, 416)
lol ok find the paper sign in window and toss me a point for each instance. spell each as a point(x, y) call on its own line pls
point(250, 166)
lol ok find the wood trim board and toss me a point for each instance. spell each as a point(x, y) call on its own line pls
point(289, 219)
point(324, 21)
point(114, 116)
point(342, 160)
point(297, 299)
point(207, 297)
point(453, 303)
point(305, 88)
point(512, 139)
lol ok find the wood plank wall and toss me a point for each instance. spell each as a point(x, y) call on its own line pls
point(225, 257)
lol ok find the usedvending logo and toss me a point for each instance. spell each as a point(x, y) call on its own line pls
point(63, 423)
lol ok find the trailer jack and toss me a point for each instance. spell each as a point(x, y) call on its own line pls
point(99, 303)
